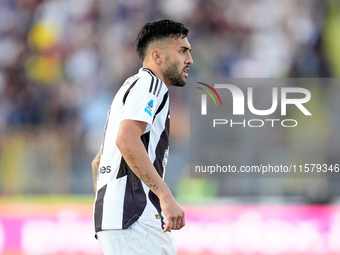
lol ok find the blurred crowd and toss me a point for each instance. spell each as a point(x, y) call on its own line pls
point(61, 62)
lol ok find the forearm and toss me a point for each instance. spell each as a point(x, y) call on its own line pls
point(132, 148)
point(138, 160)
point(95, 166)
point(130, 145)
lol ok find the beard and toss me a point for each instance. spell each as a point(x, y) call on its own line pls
point(173, 75)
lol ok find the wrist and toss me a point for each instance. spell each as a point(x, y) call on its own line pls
point(164, 194)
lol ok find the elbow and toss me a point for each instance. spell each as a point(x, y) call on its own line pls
point(126, 144)
point(95, 162)
point(95, 165)
point(128, 136)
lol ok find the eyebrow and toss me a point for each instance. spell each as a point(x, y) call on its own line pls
point(185, 48)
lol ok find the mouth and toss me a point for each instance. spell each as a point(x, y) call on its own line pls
point(185, 71)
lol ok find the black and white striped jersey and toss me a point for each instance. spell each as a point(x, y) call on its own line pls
point(122, 198)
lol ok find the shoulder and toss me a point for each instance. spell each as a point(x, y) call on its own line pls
point(150, 82)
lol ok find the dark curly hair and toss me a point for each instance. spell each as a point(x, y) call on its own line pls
point(157, 30)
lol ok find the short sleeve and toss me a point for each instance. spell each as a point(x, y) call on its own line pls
point(143, 99)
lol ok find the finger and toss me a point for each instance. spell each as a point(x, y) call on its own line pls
point(166, 227)
point(179, 223)
point(174, 223)
point(183, 221)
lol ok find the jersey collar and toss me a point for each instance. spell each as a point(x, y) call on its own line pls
point(148, 70)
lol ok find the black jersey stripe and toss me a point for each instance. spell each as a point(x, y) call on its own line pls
point(98, 208)
point(152, 78)
point(135, 197)
point(154, 91)
point(159, 89)
point(134, 200)
point(161, 106)
point(161, 148)
point(151, 85)
point(124, 169)
point(128, 90)
point(155, 201)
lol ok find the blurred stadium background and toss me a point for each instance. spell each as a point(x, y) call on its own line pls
point(61, 62)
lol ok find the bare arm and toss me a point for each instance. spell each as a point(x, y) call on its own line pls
point(135, 155)
point(95, 166)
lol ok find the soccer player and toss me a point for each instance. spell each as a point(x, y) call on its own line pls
point(131, 197)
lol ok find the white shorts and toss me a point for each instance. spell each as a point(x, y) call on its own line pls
point(137, 239)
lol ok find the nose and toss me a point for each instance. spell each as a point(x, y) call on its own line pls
point(189, 60)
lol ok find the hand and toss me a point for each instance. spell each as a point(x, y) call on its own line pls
point(174, 215)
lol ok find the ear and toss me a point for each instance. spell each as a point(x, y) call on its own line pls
point(156, 55)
